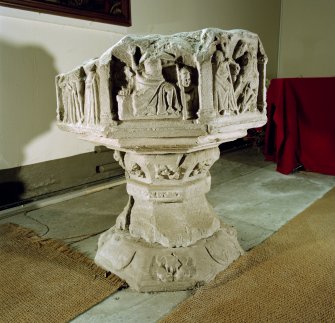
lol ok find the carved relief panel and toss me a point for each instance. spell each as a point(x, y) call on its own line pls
point(71, 96)
point(199, 78)
point(83, 98)
point(235, 75)
point(155, 87)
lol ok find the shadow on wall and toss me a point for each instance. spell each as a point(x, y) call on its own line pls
point(27, 109)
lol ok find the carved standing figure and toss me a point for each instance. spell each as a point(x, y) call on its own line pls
point(68, 99)
point(245, 91)
point(92, 108)
point(63, 98)
point(124, 95)
point(60, 102)
point(76, 83)
point(224, 97)
point(246, 97)
point(242, 57)
point(190, 93)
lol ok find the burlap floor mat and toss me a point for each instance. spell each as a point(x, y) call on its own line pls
point(43, 280)
point(288, 278)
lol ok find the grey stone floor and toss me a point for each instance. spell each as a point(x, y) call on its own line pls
point(246, 192)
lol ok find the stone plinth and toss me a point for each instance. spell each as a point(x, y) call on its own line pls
point(165, 103)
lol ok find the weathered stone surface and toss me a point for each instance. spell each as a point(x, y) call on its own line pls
point(167, 198)
point(165, 103)
point(183, 92)
point(151, 267)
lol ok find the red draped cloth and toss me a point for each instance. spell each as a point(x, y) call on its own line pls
point(301, 124)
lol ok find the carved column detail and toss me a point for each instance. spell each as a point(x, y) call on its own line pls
point(170, 207)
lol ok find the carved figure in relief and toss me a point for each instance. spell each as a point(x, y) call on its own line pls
point(72, 89)
point(92, 105)
point(124, 96)
point(60, 102)
point(245, 89)
point(248, 95)
point(127, 89)
point(77, 88)
point(153, 94)
point(65, 97)
point(234, 71)
point(242, 57)
point(190, 93)
point(224, 97)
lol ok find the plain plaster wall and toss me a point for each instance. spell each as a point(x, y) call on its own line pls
point(32, 53)
point(307, 41)
point(35, 47)
point(167, 17)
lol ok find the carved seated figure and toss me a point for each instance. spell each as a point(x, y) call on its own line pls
point(151, 94)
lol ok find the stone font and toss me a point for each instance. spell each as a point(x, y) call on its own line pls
point(164, 104)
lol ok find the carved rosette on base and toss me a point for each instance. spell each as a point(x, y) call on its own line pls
point(165, 103)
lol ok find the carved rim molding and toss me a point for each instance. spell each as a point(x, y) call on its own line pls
point(116, 12)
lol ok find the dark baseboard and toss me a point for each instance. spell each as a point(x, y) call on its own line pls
point(254, 138)
point(27, 183)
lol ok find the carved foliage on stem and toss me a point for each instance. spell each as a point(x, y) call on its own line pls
point(136, 170)
point(159, 169)
point(165, 172)
point(201, 167)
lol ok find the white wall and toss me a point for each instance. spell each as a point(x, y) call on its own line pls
point(307, 40)
point(32, 53)
point(171, 16)
point(35, 47)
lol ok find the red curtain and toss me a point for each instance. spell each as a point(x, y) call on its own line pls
point(301, 124)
